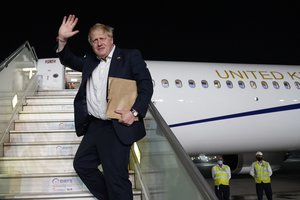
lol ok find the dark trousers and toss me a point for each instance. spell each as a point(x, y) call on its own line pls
point(222, 192)
point(261, 187)
point(100, 145)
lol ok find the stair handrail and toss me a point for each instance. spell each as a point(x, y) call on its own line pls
point(7, 60)
point(32, 85)
point(192, 172)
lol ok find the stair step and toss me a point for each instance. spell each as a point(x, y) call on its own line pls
point(58, 115)
point(24, 183)
point(45, 182)
point(44, 124)
point(30, 165)
point(41, 165)
point(56, 92)
point(31, 101)
point(43, 136)
point(40, 149)
point(53, 124)
point(53, 195)
point(46, 107)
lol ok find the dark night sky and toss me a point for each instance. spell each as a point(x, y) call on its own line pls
point(214, 31)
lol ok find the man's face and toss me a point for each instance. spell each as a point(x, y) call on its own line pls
point(101, 43)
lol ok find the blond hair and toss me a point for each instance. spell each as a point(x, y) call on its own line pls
point(105, 28)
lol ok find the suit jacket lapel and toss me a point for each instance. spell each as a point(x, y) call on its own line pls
point(115, 63)
point(92, 65)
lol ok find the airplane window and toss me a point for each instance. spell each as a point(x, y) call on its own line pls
point(297, 84)
point(286, 85)
point(229, 84)
point(204, 83)
point(241, 84)
point(178, 83)
point(253, 85)
point(165, 83)
point(264, 84)
point(192, 84)
point(275, 85)
point(217, 84)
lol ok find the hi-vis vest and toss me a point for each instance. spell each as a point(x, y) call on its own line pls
point(221, 176)
point(262, 173)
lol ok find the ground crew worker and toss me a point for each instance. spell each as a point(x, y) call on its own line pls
point(221, 174)
point(261, 172)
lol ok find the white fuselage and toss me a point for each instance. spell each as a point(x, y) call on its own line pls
point(220, 119)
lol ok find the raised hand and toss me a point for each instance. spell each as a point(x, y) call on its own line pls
point(65, 30)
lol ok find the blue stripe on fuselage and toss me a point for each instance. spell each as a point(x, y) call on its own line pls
point(243, 114)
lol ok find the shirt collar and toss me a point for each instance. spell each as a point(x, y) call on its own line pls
point(109, 55)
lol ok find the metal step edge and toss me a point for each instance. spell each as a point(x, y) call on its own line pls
point(40, 175)
point(49, 101)
point(51, 97)
point(46, 120)
point(40, 143)
point(55, 195)
point(60, 90)
point(67, 107)
point(34, 175)
point(45, 112)
point(49, 159)
point(46, 103)
point(55, 94)
point(62, 142)
point(36, 158)
point(55, 120)
point(42, 120)
point(42, 131)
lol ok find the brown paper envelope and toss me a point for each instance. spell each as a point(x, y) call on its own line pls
point(121, 96)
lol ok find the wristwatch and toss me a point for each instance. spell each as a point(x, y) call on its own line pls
point(134, 112)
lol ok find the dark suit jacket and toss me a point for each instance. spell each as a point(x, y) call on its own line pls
point(125, 63)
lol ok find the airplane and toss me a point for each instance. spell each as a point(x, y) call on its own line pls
point(230, 109)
